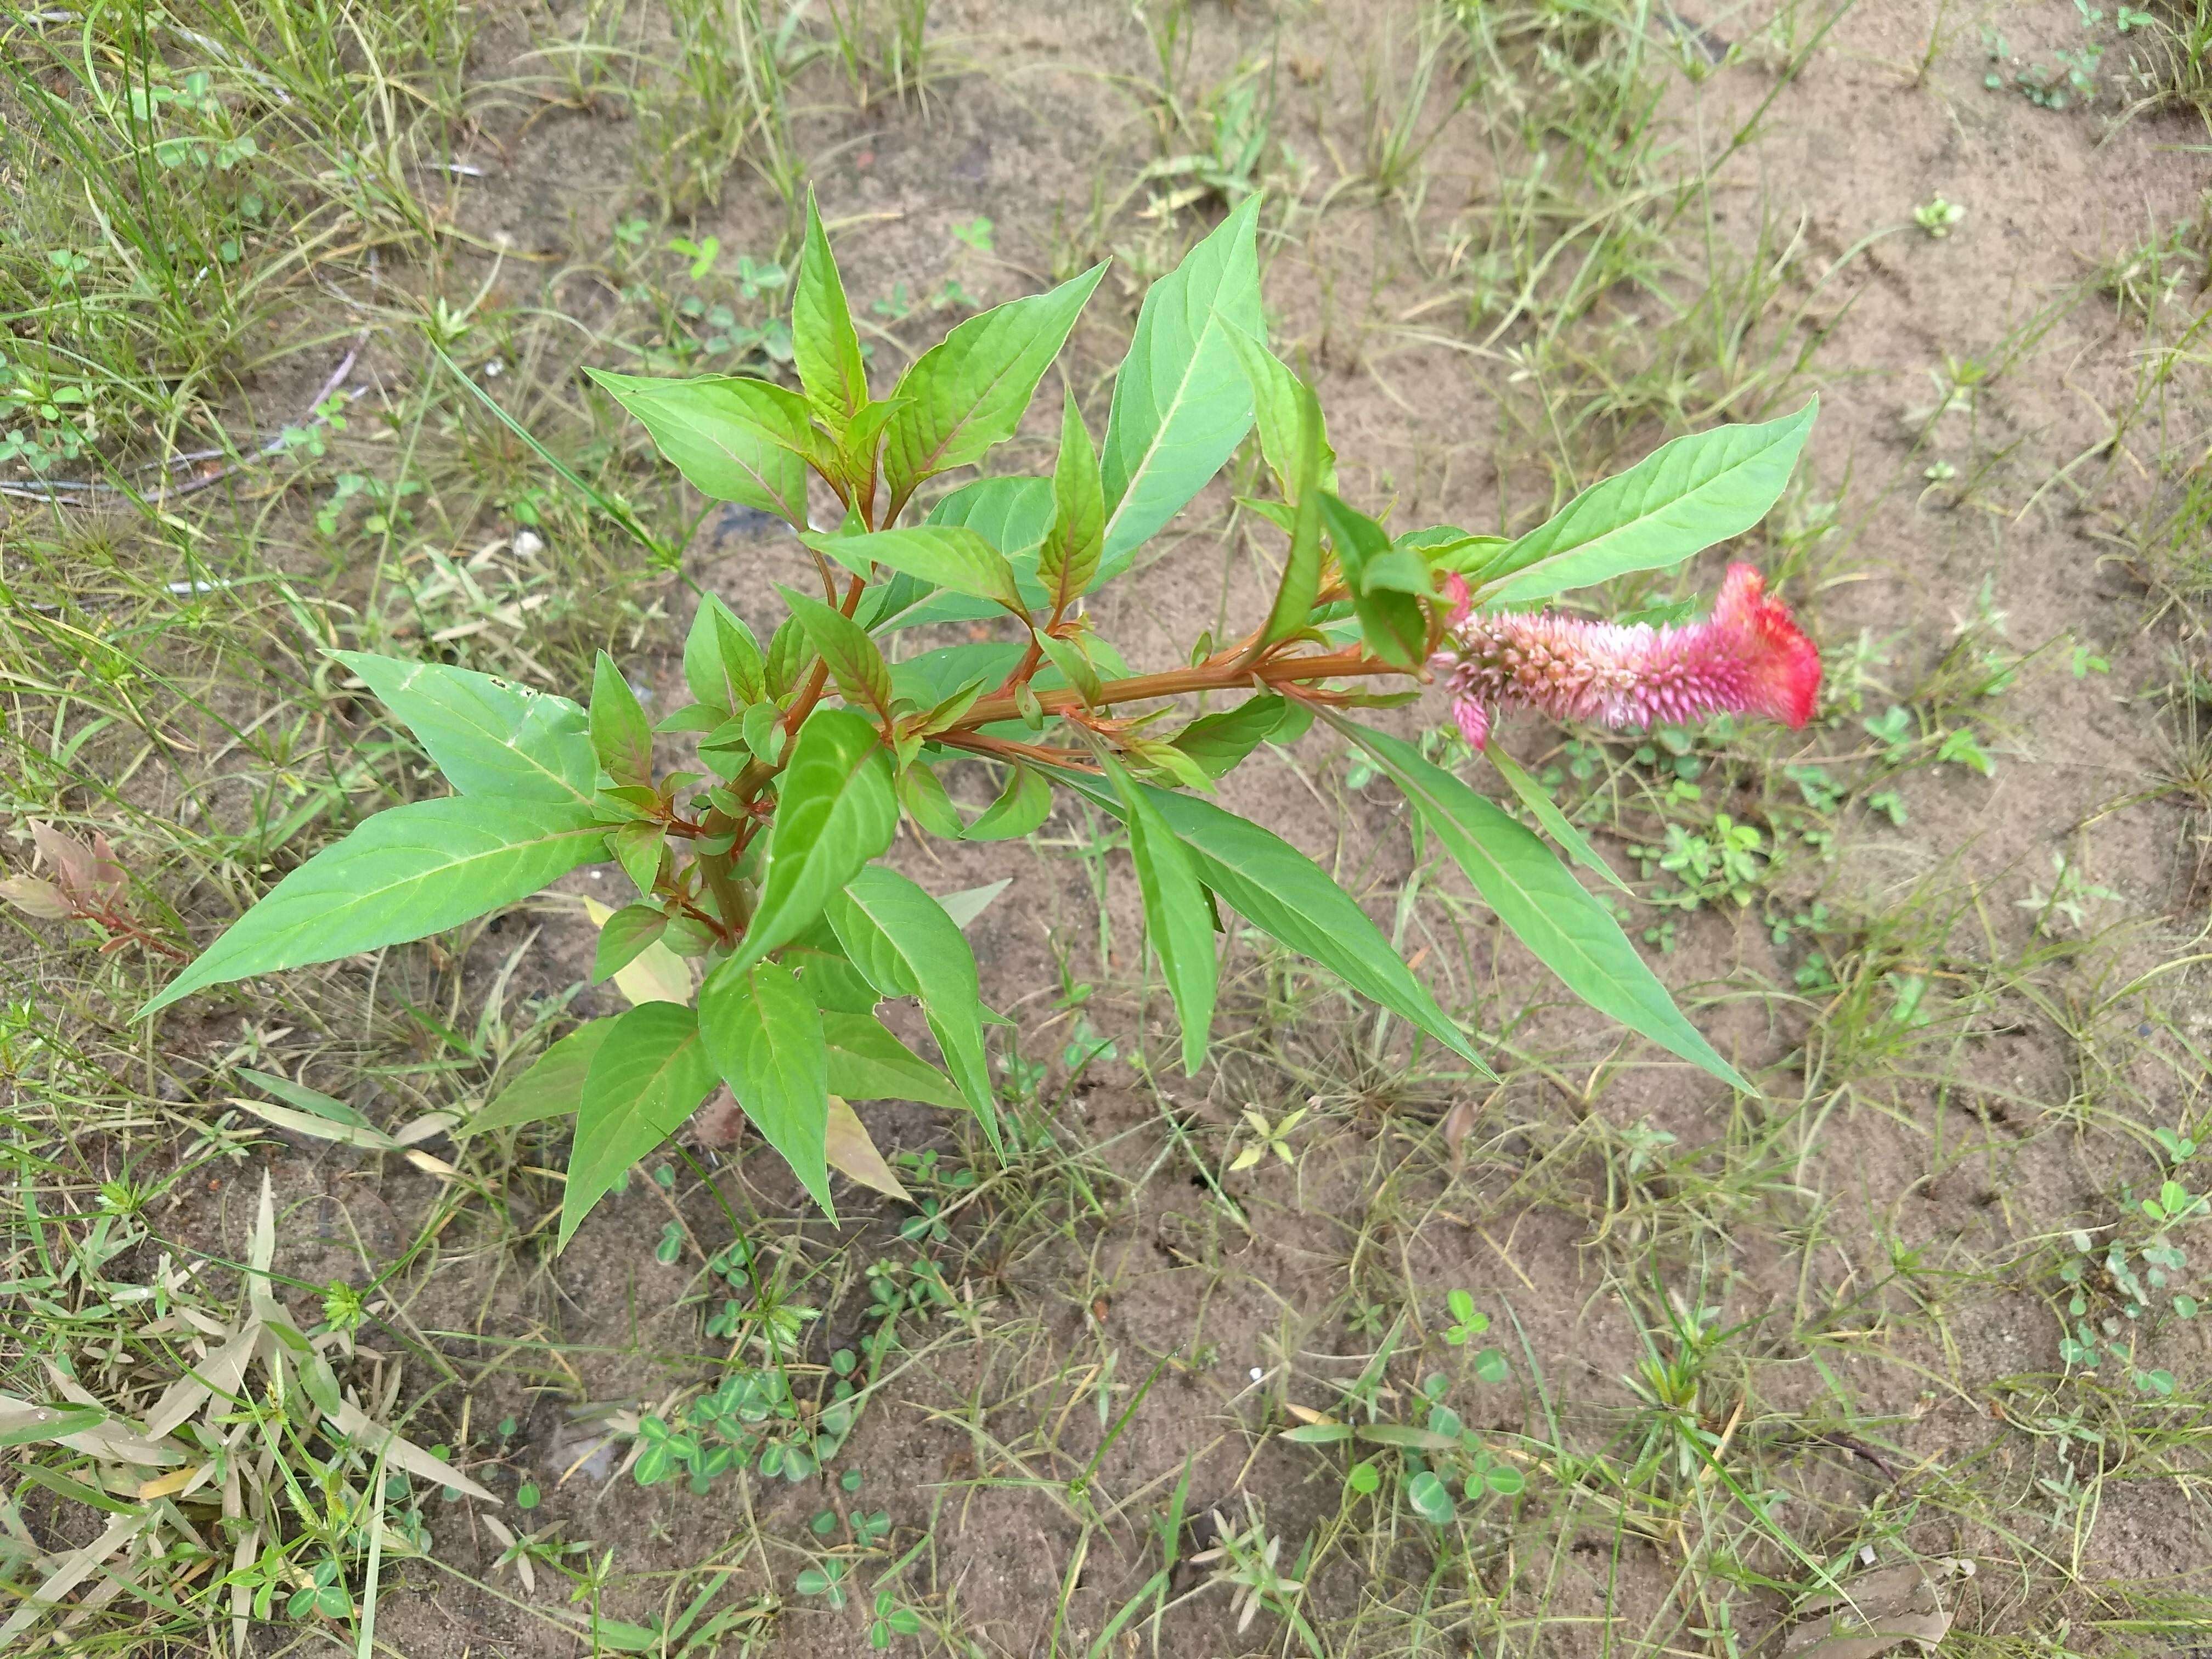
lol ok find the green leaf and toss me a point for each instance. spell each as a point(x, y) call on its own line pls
point(787, 655)
point(1406, 1437)
point(1182, 404)
point(1220, 742)
point(967, 393)
point(1022, 805)
point(823, 343)
point(552, 1087)
point(650, 1073)
point(867, 1062)
point(922, 792)
point(1010, 513)
point(764, 1034)
point(1546, 908)
point(859, 669)
point(1678, 501)
point(1556, 824)
point(721, 659)
point(1430, 1498)
point(637, 847)
point(1316, 1434)
point(627, 932)
point(735, 439)
point(1295, 594)
point(907, 946)
point(944, 555)
point(1288, 417)
point(828, 974)
point(1075, 667)
point(1386, 582)
point(405, 873)
point(856, 456)
point(836, 811)
point(1178, 921)
point(620, 732)
point(1281, 891)
point(487, 736)
point(1069, 557)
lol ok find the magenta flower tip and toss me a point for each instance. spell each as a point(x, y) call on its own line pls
point(1749, 657)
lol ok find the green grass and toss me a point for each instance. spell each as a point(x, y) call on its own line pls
point(1732, 1345)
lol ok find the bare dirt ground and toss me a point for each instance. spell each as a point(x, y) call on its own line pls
point(1750, 1340)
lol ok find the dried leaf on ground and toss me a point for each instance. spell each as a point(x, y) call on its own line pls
point(1875, 1612)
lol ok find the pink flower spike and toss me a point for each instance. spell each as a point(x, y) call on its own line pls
point(1749, 657)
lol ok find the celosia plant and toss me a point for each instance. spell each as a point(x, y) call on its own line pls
point(1749, 657)
point(767, 930)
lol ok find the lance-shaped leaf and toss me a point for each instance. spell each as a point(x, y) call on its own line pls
point(722, 661)
point(1069, 557)
point(967, 393)
point(764, 1034)
point(1013, 515)
point(1283, 405)
point(907, 946)
point(867, 1062)
point(1548, 813)
point(1220, 742)
point(649, 1073)
point(1022, 805)
point(620, 732)
point(824, 345)
point(857, 665)
point(1678, 501)
point(1386, 583)
point(735, 439)
point(1301, 583)
point(836, 811)
point(944, 555)
point(552, 1087)
point(1182, 404)
point(1535, 895)
point(1178, 921)
point(405, 873)
point(1281, 891)
point(488, 737)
